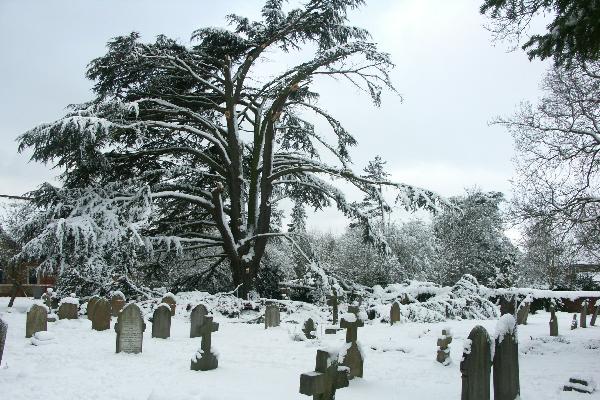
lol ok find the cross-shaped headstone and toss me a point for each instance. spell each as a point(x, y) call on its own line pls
point(322, 383)
point(443, 353)
point(332, 301)
point(204, 360)
point(353, 359)
point(351, 325)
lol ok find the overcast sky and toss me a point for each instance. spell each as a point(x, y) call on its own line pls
point(452, 78)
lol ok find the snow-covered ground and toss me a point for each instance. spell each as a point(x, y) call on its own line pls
point(255, 363)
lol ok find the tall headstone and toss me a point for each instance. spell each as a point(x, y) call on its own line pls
point(101, 315)
point(68, 308)
point(117, 302)
point(3, 331)
point(37, 320)
point(169, 298)
point(395, 313)
point(583, 314)
point(205, 359)
point(90, 306)
point(475, 365)
point(443, 350)
point(332, 301)
point(574, 322)
point(553, 322)
point(130, 329)
point(595, 314)
point(523, 311)
point(161, 322)
point(327, 377)
point(272, 317)
point(506, 360)
point(309, 328)
point(353, 359)
point(197, 319)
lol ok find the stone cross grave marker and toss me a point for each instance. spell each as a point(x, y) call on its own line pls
point(595, 314)
point(553, 322)
point(90, 306)
point(325, 379)
point(101, 315)
point(309, 328)
point(130, 329)
point(169, 298)
point(583, 314)
point(68, 308)
point(197, 319)
point(161, 322)
point(272, 317)
point(332, 301)
point(523, 311)
point(117, 302)
point(443, 351)
point(205, 360)
point(3, 331)
point(395, 313)
point(574, 322)
point(353, 358)
point(475, 365)
point(506, 360)
point(37, 320)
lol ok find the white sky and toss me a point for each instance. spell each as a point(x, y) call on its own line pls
point(452, 78)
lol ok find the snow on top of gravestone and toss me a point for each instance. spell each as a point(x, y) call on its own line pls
point(506, 326)
point(118, 293)
point(44, 335)
point(466, 348)
point(169, 295)
point(39, 305)
point(333, 351)
point(349, 317)
point(70, 300)
point(164, 305)
point(346, 346)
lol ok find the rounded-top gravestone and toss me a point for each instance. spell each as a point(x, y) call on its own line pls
point(169, 298)
point(117, 302)
point(130, 329)
point(395, 313)
point(37, 320)
point(506, 360)
point(101, 316)
point(197, 319)
point(475, 365)
point(272, 317)
point(68, 308)
point(161, 322)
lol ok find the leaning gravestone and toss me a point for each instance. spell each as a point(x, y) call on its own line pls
point(3, 331)
point(583, 314)
point(101, 315)
point(553, 322)
point(309, 328)
point(395, 313)
point(197, 320)
point(353, 359)
point(169, 298)
point(475, 365)
point(68, 308)
point(272, 317)
point(574, 322)
point(37, 320)
point(205, 359)
point(523, 311)
point(325, 379)
point(161, 322)
point(90, 306)
point(443, 351)
point(595, 314)
point(130, 329)
point(506, 360)
point(117, 302)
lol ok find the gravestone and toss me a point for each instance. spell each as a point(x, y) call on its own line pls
point(47, 298)
point(327, 377)
point(395, 313)
point(353, 358)
point(553, 322)
point(130, 329)
point(68, 308)
point(161, 322)
point(309, 328)
point(204, 359)
point(506, 360)
point(197, 320)
point(169, 298)
point(354, 310)
point(37, 320)
point(443, 351)
point(475, 365)
point(90, 306)
point(37, 292)
point(271, 316)
point(595, 314)
point(523, 311)
point(101, 315)
point(3, 331)
point(332, 301)
point(507, 305)
point(117, 302)
point(583, 314)
point(580, 385)
point(574, 322)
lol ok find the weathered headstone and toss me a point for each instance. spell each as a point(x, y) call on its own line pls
point(90, 306)
point(204, 359)
point(332, 301)
point(553, 322)
point(3, 331)
point(475, 365)
point(443, 350)
point(395, 313)
point(272, 317)
point(68, 308)
point(595, 314)
point(506, 360)
point(574, 322)
point(37, 320)
point(169, 298)
point(101, 315)
point(117, 302)
point(353, 359)
point(309, 328)
point(325, 379)
point(161, 322)
point(130, 329)
point(583, 314)
point(523, 311)
point(197, 319)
